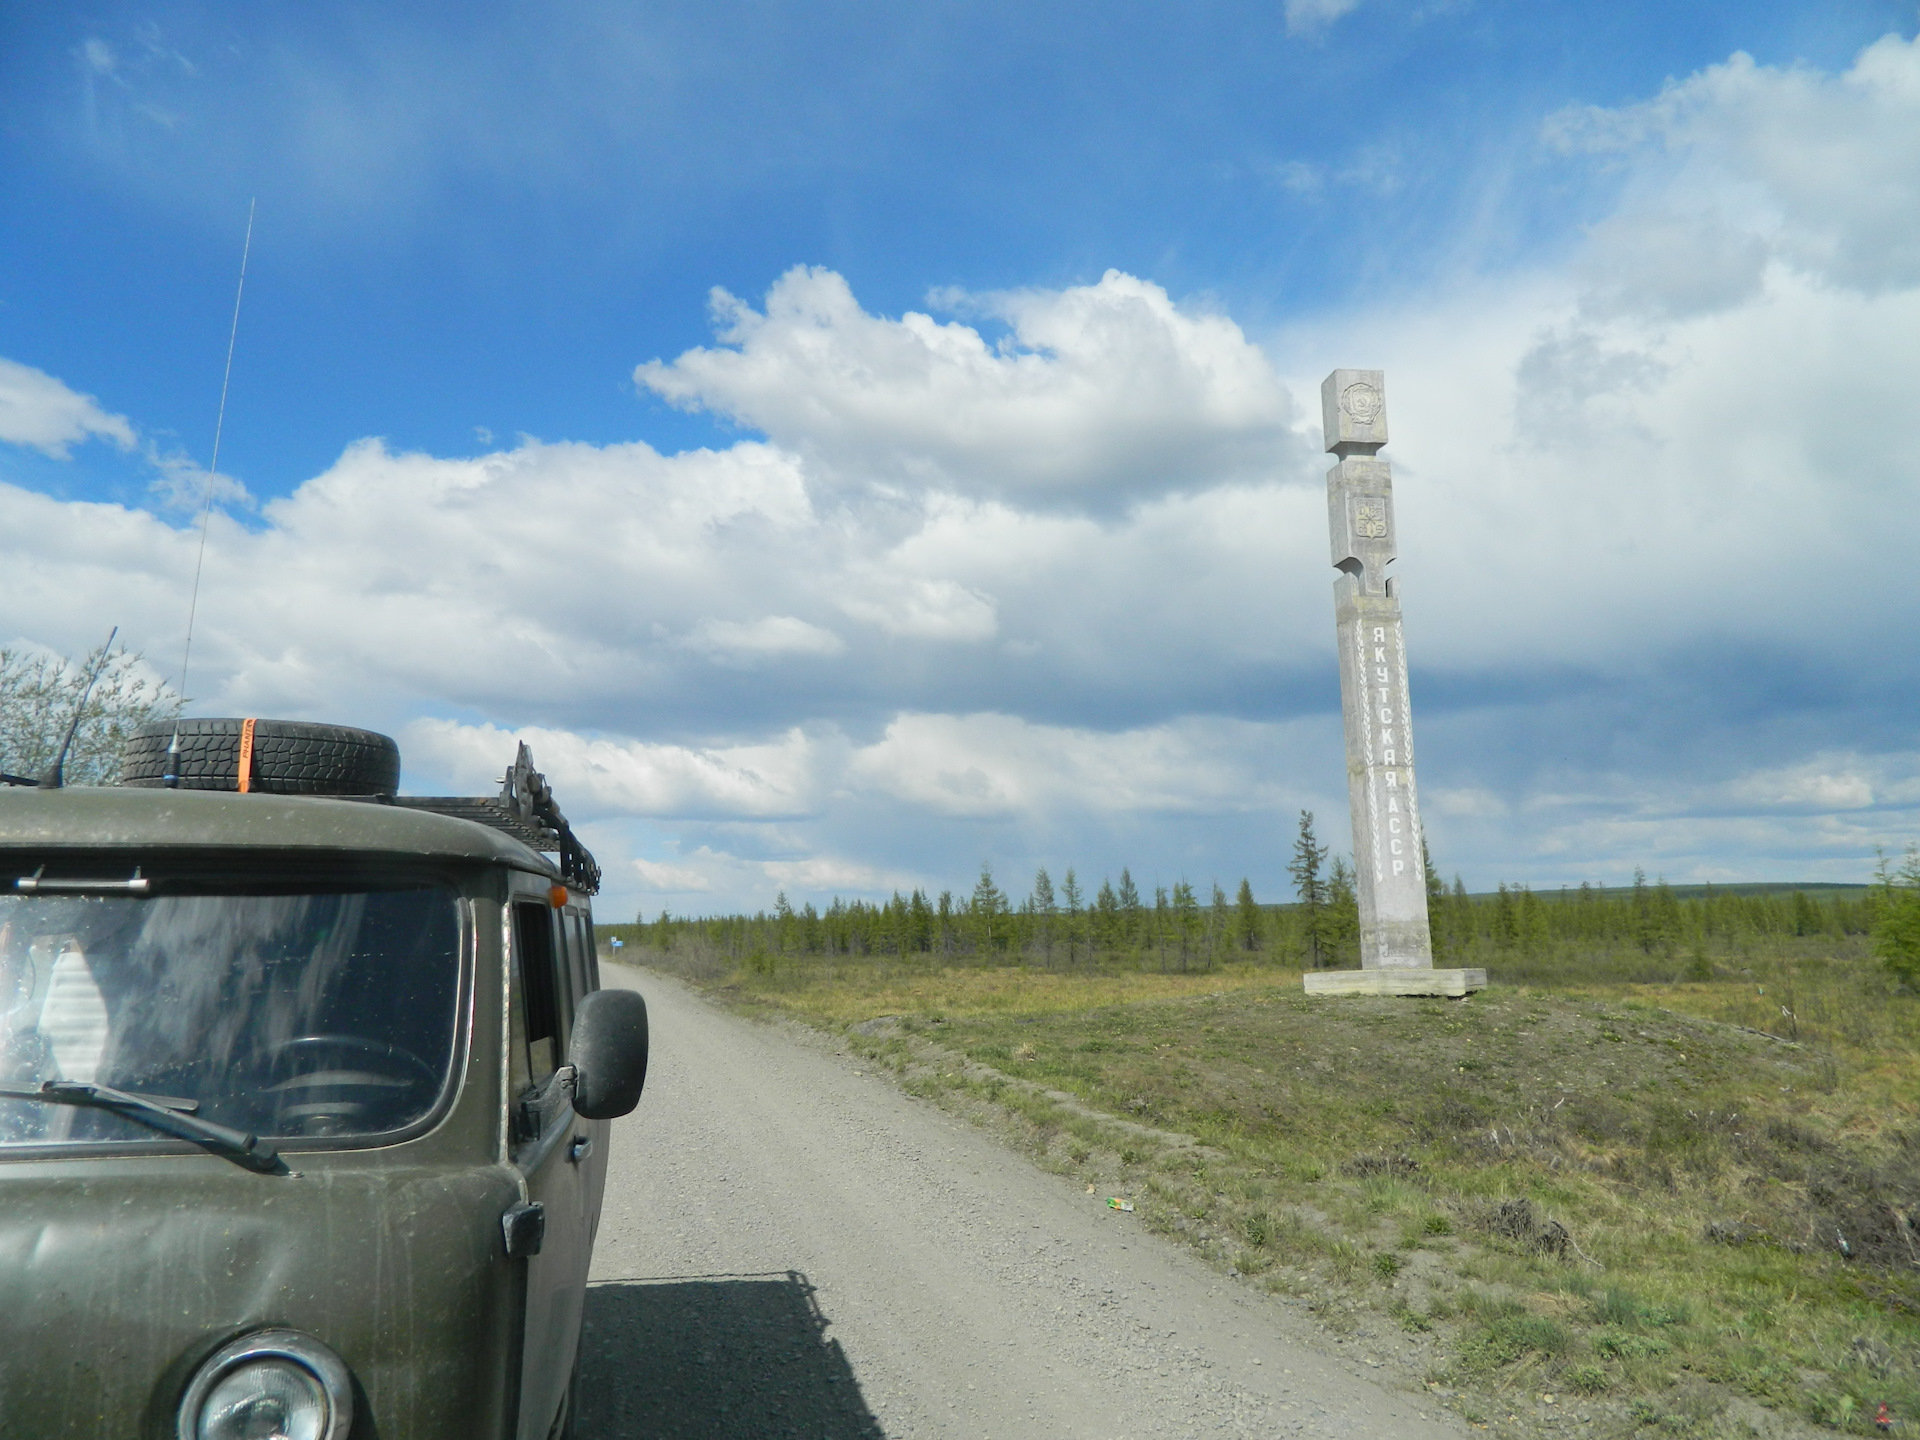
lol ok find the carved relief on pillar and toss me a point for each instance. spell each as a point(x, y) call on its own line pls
point(1360, 521)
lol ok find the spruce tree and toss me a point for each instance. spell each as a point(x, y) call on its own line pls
point(1308, 856)
point(1437, 927)
point(1643, 922)
point(988, 909)
point(1247, 917)
point(1070, 892)
point(1506, 917)
point(1129, 908)
point(920, 919)
point(1106, 915)
point(1666, 916)
point(1043, 901)
point(1219, 924)
point(783, 921)
point(1343, 908)
point(1043, 907)
point(1186, 918)
point(1533, 922)
point(1895, 923)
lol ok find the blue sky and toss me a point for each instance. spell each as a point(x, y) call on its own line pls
point(856, 442)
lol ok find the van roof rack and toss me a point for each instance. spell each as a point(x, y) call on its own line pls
point(525, 809)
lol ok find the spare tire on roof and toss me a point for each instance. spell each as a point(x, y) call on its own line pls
point(288, 757)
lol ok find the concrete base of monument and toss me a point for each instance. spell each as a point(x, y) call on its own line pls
point(1395, 982)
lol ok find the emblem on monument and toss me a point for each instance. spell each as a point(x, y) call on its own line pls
point(1362, 402)
point(1370, 519)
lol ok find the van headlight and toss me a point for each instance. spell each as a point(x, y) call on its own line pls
point(270, 1385)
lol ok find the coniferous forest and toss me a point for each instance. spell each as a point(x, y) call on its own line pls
point(1646, 931)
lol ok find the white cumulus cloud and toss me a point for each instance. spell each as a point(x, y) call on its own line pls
point(39, 411)
point(667, 879)
point(1822, 170)
point(990, 764)
point(769, 636)
point(629, 776)
point(1096, 395)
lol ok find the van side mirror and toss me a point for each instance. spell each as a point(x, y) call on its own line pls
point(609, 1054)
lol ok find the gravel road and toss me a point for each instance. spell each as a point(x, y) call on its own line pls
point(792, 1247)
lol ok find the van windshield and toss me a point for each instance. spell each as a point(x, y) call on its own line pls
point(328, 1015)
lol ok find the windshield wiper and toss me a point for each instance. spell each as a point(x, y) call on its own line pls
point(158, 1112)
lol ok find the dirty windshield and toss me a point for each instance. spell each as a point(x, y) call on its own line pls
point(300, 1015)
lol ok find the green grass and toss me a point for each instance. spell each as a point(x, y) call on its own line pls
point(1606, 1190)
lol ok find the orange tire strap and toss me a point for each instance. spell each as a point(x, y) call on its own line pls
point(246, 755)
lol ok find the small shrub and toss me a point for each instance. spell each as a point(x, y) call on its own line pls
point(1587, 1379)
point(1621, 1308)
point(1516, 1220)
point(1386, 1264)
point(1614, 1306)
point(1513, 1337)
point(1836, 1410)
point(1346, 1258)
point(1437, 1225)
point(1130, 1156)
point(1258, 1228)
point(1628, 1346)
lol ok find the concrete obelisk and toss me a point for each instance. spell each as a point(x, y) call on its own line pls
point(1390, 883)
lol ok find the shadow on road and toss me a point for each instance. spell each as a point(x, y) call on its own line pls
point(710, 1357)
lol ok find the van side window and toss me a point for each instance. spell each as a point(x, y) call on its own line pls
point(538, 1009)
point(590, 953)
point(580, 932)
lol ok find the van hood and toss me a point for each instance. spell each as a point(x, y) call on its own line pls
point(118, 1276)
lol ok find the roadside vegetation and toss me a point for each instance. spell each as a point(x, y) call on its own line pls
point(1666, 1171)
point(43, 695)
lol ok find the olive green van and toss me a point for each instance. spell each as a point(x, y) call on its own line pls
point(304, 1105)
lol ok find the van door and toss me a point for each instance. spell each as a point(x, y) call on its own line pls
point(542, 1125)
point(590, 1137)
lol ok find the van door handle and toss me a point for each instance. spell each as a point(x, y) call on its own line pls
point(524, 1227)
point(581, 1148)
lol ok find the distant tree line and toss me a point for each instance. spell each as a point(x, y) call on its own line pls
point(1181, 927)
point(1176, 927)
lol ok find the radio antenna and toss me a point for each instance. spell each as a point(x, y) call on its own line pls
point(206, 507)
point(213, 470)
point(56, 773)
